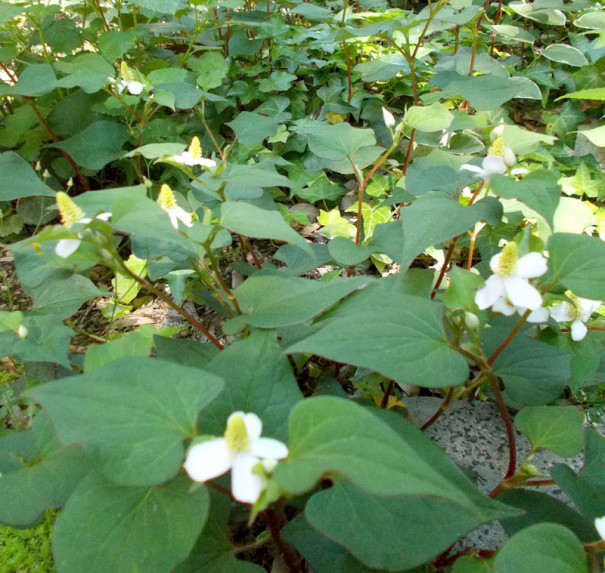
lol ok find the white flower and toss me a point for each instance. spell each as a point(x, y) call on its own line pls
point(599, 523)
point(504, 306)
point(193, 155)
point(239, 450)
point(167, 201)
point(510, 279)
point(577, 310)
point(491, 165)
point(133, 87)
point(70, 215)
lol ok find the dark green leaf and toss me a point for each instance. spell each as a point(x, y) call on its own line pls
point(258, 378)
point(134, 413)
point(420, 231)
point(129, 528)
point(37, 473)
point(542, 547)
point(292, 299)
point(404, 340)
point(554, 428)
point(578, 262)
point(96, 146)
point(19, 179)
point(539, 190)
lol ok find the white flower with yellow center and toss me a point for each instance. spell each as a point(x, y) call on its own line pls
point(71, 214)
point(510, 280)
point(239, 450)
point(499, 159)
point(167, 201)
point(193, 156)
point(577, 311)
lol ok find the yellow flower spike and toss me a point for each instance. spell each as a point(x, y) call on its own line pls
point(166, 198)
point(195, 149)
point(236, 435)
point(70, 213)
point(497, 147)
point(508, 259)
point(126, 72)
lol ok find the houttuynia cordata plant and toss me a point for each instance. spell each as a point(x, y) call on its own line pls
point(336, 206)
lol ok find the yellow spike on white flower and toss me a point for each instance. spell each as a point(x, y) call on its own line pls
point(68, 210)
point(167, 201)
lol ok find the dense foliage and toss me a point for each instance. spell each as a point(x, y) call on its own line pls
point(366, 199)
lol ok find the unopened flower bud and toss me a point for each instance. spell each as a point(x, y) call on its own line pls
point(509, 157)
point(22, 332)
point(388, 117)
point(472, 320)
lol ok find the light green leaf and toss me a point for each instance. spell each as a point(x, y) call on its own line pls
point(35, 80)
point(404, 340)
point(596, 136)
point(37, 473)
point(134, 413)
point(538, 13)
point(578, 262)
point(591, 20)
point(383, 68)
point(592, 93)
point(116, 43)
point(554, 428)
point(135, 528)
point(461, 290)
point(252, 221)
point(337, 142)
point(482, 92)
point(572, 216)
point(522, 141)
point(97, 145)
point(420, 231)
point(258, 378)
point(155, 150)
point(135, 343)
point(212, 68)
point(435, 117)
point(564, 54)
point(542, 547)
point(160, 6)
point(513, 33)
point(292, 299)
point(251, 128)
point(87, 71)
point(19, 179)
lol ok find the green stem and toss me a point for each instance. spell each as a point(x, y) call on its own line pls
point(173, 305)
point(222, 282)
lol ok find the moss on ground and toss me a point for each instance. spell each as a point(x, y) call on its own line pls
point(27, 550)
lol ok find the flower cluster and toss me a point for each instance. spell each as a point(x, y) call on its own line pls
point(577, 311)
point(71, 214)
point(240, 450)
point(167, 201)
point(193, 156)
point(508, 291)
